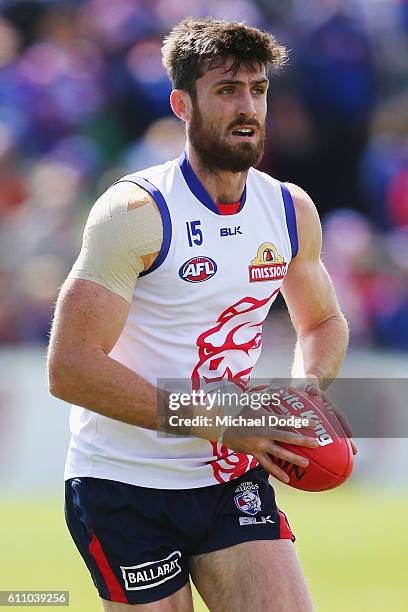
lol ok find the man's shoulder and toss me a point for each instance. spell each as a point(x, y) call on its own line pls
point(140, 187)
point(262, 177)
point(307, 219)
point(150, 173)
point(295, 191)
point(120, 199)
point(304, 206)
point(303, 203)
point(132, 191)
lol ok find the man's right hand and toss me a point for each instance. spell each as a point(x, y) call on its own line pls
point(262, 442)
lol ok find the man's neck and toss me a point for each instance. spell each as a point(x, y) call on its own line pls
point(223, 186)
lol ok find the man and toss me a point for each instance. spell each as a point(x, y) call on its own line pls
point(179, 266)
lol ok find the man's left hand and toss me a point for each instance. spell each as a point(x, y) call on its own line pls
point(312, 387)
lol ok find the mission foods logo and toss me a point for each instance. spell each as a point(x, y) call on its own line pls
point(267, 265)
point(152, 573)
point(198, 269)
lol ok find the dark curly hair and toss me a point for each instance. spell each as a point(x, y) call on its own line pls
point(196, 44)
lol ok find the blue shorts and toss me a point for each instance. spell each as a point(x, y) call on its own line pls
point(137, 541)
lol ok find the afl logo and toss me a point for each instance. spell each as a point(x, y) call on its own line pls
point(198, 269)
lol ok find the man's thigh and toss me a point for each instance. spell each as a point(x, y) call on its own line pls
point(263, 575)
point(181, 601)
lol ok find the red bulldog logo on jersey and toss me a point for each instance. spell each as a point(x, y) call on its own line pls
point(268, 264)
point(228, 351)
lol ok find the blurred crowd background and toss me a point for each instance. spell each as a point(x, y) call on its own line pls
point(84, 100)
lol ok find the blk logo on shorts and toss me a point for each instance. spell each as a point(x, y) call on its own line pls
point(151, 574)
point(254, 520)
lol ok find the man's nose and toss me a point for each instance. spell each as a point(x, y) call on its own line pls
point(246, 106)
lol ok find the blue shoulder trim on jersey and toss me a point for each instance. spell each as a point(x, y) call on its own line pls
point(198, 189)
point(290, 214)
point(165, 215)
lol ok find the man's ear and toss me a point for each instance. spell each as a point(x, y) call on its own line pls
point(181, 104)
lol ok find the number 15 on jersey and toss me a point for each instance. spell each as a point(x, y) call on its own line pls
point(194, 233)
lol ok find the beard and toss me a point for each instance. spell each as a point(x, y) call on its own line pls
point(216, 155)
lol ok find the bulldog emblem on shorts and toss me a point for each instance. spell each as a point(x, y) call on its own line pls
point(249, 502)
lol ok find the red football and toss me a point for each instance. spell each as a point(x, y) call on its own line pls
point(330, 464)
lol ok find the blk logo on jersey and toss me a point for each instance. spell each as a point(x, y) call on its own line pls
point(229, 231)
point(198, 269)
point(268, 264)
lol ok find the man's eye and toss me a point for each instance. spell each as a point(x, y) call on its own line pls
point(226, 90)
point(259, 90)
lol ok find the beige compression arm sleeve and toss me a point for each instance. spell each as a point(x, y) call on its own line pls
point(123, 225)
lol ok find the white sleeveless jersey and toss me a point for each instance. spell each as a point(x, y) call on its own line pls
point(196, 314)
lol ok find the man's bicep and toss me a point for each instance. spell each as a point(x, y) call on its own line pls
point(307, 287)
point(87, 317)
point(309, 295)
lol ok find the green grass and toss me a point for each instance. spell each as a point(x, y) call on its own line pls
point(353, 545)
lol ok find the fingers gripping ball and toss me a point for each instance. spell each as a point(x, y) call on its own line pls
point(329, 465)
